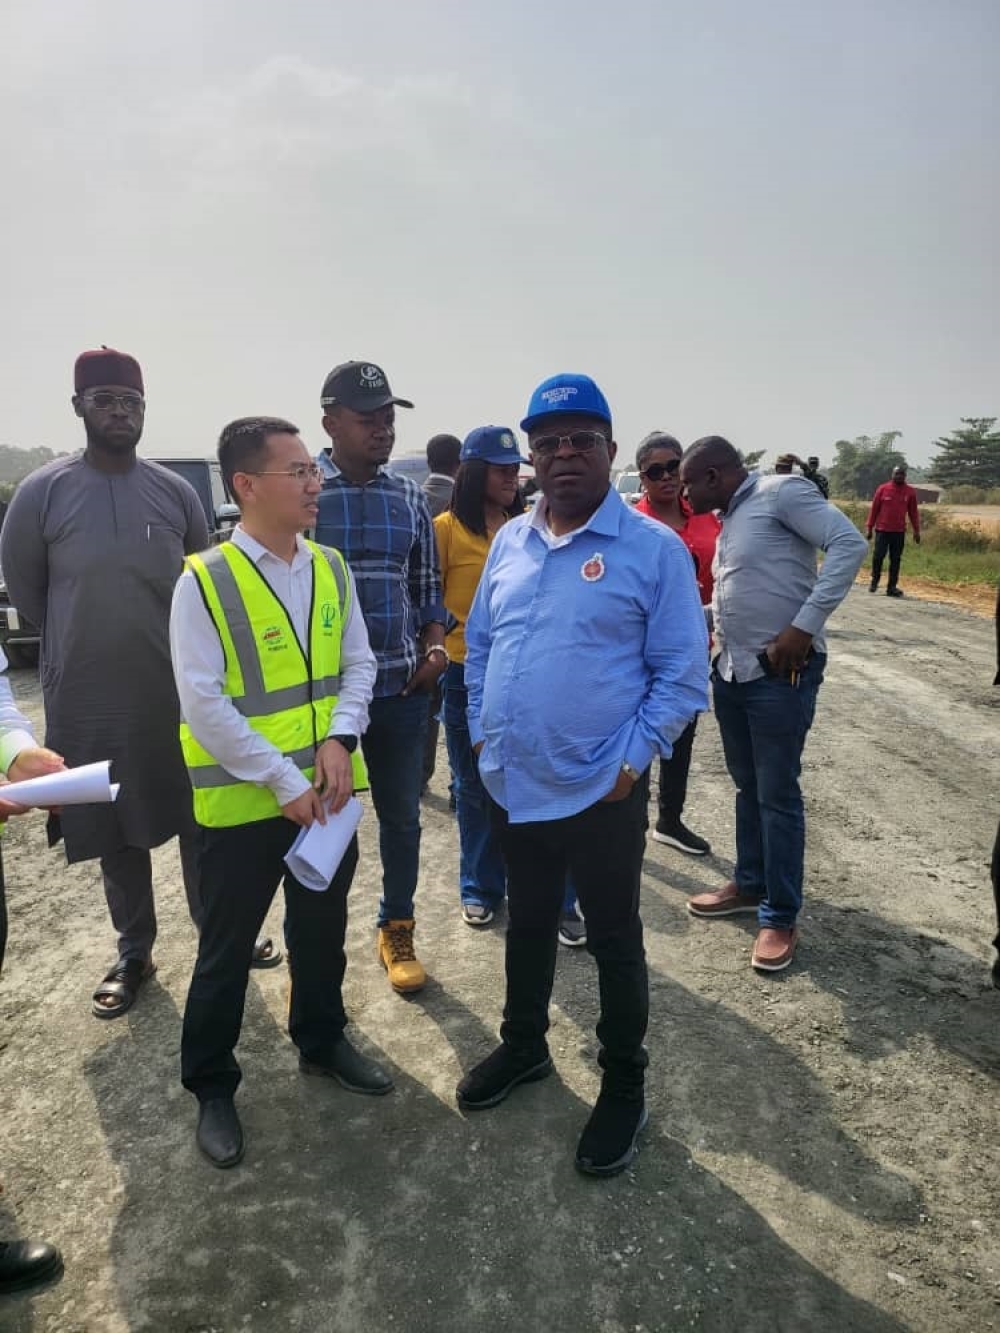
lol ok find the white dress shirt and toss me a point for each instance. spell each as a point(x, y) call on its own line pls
point(200, 671)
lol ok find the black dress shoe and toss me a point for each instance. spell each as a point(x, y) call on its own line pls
point(351, 1069)
point(25, 1262)
point(220, 1134)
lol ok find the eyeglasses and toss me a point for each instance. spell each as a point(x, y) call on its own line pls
point(104, 401)
point(657, 471)
point(305, 472)
point(581, 442)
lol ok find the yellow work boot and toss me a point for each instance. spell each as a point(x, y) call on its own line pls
point(395, 953)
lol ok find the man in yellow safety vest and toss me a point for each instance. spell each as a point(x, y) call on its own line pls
point(274, 675)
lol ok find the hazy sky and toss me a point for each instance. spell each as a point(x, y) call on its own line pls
point(777, 222)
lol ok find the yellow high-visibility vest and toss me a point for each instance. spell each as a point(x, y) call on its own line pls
point(286, 694)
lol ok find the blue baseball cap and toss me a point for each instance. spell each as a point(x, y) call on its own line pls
point(492, 444)
point(563, 395)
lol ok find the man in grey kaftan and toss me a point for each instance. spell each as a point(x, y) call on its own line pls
point(91, 549)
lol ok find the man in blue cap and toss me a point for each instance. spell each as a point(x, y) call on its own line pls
point(587, 656)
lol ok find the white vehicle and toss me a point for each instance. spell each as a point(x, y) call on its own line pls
point(628, 486)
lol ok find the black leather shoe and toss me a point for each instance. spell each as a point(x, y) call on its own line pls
point(608, 1142)
point(25, 1262)
point(220, 1134)
point(498, 1075)
point(351, 1069)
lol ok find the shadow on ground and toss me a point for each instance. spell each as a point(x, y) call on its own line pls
point(354, 1212)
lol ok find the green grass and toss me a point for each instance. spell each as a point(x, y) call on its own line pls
point(960, 567)
point(949, 552)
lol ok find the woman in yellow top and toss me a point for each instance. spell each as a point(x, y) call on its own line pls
point(484, 498)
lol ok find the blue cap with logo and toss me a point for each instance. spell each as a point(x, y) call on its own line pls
point(491, 444)
point(565, 395)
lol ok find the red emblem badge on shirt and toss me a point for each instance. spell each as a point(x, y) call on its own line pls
point(593, 569)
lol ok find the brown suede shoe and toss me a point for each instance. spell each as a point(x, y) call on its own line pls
point(774, 948)
point(727, 901)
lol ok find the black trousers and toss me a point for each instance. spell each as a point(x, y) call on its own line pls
point(241, 869)
point(995, 877)
point(891, 542)
point(601, 848)
point(674, 776)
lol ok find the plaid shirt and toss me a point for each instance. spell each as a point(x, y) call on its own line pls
point(385, 534)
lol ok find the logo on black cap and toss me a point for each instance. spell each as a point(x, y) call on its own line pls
point(361, 386)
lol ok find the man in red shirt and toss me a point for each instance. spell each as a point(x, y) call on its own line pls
point(891, 504)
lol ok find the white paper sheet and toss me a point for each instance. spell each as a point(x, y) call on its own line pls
point(317, 852)
point(90, 784)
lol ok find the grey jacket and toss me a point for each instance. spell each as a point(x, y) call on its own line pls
point(438, 488)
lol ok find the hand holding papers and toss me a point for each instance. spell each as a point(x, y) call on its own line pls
point(317, 852)
point(90, 784)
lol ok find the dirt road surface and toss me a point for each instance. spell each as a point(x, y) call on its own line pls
point(987, 516)
point(822, 1150)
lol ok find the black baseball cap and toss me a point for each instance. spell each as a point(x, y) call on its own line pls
point(360, 385)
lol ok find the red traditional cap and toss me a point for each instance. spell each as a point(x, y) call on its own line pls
point(95, 369)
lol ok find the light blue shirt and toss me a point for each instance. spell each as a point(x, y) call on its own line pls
point(584, 651)
point(765, 568)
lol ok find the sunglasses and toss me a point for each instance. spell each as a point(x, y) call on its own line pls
point(657, 471)
point(105, 402)
point(580, 441)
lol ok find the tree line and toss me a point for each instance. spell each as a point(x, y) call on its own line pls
point(968, 459)
point(15, 464)
point(966, 465)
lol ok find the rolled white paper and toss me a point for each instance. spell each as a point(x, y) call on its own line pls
point(315, 855)
point(90, 784)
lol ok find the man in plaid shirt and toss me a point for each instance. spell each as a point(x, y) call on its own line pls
point(381, 524)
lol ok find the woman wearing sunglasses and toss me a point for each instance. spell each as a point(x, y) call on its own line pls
point(658, 460)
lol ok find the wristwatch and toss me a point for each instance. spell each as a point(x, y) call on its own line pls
point(631, 772)
point(350, 743)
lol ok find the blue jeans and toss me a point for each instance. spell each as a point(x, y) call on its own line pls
point(764, 724)
point(393, 748)
point(482, 879)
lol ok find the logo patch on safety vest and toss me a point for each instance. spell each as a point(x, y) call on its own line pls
point(328, 615)
point(273, 638)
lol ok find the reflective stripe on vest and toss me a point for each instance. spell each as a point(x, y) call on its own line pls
point(287, 697)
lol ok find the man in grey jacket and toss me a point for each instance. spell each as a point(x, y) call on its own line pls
point(442, 459)
point(769, 606)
